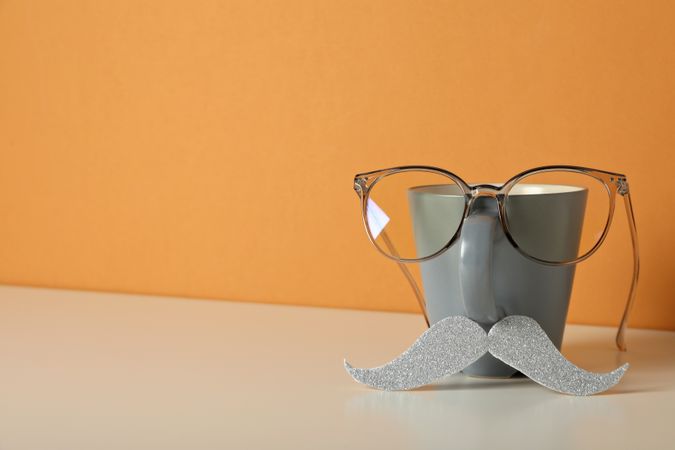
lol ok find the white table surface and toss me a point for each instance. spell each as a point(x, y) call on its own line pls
point(85, 370)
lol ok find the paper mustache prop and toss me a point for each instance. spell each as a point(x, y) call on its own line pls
point(453, 343)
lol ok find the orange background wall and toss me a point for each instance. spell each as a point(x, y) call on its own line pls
point(207, 149)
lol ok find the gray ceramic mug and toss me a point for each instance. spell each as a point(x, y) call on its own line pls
point(482, 275)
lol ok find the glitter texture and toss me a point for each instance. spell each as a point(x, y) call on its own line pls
point(455, 342)
point(446, 348)
point(521, 343)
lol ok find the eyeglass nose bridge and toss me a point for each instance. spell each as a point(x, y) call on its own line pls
point(480, 191)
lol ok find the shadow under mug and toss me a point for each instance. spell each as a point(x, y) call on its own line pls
point(482, 275)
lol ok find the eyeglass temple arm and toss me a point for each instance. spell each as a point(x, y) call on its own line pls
point(407, 274)
point(621, 333)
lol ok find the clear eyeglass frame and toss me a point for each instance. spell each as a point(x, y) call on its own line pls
point(615, 184)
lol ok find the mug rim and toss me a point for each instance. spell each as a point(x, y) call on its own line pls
point(518, 190)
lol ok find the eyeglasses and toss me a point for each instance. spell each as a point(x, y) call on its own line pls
point(415, 213)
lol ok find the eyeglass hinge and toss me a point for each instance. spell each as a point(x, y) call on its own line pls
point(621, 184)
point(359, 185)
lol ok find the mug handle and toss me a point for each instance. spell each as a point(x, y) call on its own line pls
point(476, 281)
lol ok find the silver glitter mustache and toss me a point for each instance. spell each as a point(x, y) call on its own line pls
point(455, 342)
